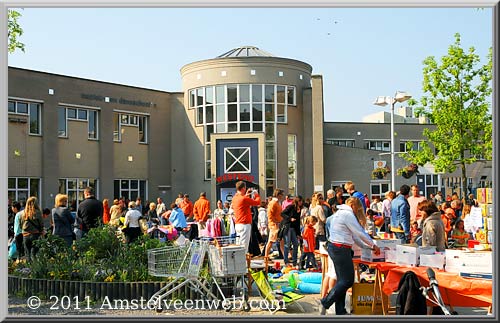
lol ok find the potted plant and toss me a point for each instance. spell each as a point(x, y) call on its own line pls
point(408, 171)
point(380, 172)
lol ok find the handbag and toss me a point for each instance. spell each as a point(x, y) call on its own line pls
point(283, 230)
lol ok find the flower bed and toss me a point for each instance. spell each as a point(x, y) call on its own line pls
point(99, 265)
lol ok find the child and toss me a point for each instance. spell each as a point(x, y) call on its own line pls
point(461, 237)
point(370, 222)
point(415, 231)
point(309, 244)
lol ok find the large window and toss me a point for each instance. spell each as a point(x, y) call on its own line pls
point(239, 107)
point(378, 145)
point(340, 142)
point(408, 145)
point(292, 164)
point(89, 116)
point(20, 188)
point(74, 187)
point(131, 189)
point(130, 120)
point(378, 189)
point(243, 108)
point(32, 111)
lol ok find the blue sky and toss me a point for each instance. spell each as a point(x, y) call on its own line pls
point(368, 51)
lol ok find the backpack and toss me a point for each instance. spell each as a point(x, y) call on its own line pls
point(410, 300)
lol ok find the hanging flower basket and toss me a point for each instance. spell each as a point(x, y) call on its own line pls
point(408, 171)
point(380, 172)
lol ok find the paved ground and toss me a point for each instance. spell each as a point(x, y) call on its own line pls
point(309, 305)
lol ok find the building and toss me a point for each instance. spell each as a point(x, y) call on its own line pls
point(244, 115)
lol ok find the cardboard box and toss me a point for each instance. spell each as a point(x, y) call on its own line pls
point(489, 210)
point(370, 256)
point(484, 209)
point(489, 195)
point(490, 237)
point(453, 260)
point(362, 300)
point(481, 195)
point(489, 224)
point(409, 255)
point(390, 256)
point(477, 262)
point(384, 245)
point(436, 260)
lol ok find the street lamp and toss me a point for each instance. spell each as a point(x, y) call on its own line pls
point(400, 96)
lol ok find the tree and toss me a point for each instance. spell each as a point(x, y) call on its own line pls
point(14, 31)
point(456, 100)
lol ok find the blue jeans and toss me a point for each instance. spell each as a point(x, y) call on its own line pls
point(344, 268)
point(291, 236)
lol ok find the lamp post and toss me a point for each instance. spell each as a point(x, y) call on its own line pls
point(400, 96)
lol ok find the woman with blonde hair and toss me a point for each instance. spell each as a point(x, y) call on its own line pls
point(62, 219)
point(115, 213)
point(317, 210)
point(32, 226)
point(344, 231)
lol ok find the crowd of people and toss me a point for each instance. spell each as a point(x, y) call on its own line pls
point(292, 226)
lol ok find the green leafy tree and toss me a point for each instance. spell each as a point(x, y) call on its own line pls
point(456, 100)
point(14, 31)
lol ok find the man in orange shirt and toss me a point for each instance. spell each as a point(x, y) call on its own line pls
point(201, 210)
point(187, 207)
point(273, 221)
point(242, 202)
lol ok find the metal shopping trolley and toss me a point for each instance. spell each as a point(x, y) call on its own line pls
point(228, 269)
point(183, 263)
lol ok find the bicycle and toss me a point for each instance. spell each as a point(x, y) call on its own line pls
point(434, 289)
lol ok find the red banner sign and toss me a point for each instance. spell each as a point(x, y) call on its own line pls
point(235, 177)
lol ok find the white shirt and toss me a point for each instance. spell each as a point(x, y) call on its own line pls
point(386, 206)
point(345, 229)
point(132, 218)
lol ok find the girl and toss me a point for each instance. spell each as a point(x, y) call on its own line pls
point(461, 237)
point(309, 244)
point(415, 231)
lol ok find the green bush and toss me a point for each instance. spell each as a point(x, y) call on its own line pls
point(101, 255)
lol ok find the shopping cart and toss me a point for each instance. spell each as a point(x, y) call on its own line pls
point(228, 269)
point(183, 263)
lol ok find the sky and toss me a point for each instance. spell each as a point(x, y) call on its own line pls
point(361, 53)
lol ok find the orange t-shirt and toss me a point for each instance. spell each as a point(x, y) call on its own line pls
point(241, 206)
point(201, 209)
point(274, 210)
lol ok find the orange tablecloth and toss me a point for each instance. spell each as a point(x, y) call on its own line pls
point(455, 290)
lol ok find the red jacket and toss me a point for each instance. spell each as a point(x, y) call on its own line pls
point(309, 238)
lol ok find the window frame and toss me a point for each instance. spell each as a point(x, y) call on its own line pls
point(246, 150)
point(78, 189)
point(130, 189)
point(133, 119)
point(27, 114)
point(78, 110)
point(16, 189)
